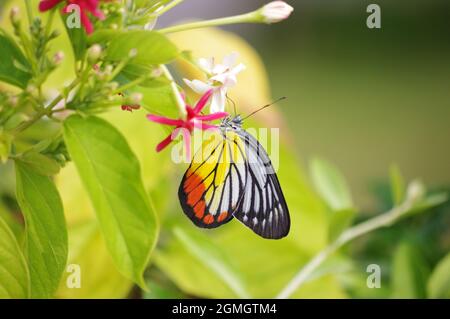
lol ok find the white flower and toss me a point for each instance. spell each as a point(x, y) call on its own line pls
point(222, 77)
point(276, 11)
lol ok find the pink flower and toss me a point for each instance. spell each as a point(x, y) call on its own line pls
point(194, 119)
point(86, 6)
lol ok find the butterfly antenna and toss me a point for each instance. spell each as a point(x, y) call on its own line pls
point(234, 104)
point(263, 107)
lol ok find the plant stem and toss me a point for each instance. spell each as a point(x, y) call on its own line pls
point(178, 98)
point(168, 7)
point(348, 235)
point(29, 11)
point(43, 111)
point(250, 17)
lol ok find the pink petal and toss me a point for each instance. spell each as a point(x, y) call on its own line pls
point(202, 102)
point(212, 116)
point(86, 22)
point(187, 143)
point(45, 5)
point(163, 144)
point(164, 120)
point(203, 126)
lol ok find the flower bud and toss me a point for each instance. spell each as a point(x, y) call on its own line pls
point(94, 53)
point(276, 11)
point(14, 15)
point(136, 98)
point(58, 57)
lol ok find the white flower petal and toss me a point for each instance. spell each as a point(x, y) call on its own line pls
point(230, 60)
point(218, 101)
point(198, 86)
point(207, 64)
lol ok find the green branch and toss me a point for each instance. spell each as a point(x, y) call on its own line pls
point(415, 192)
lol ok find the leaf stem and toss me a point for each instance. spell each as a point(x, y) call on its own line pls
point(348, 235)
point(178, 97)
point(250, 17)
point(45, 110)
point(168, 7)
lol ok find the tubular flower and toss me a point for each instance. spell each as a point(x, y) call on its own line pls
point(194, 119)
point(222, 77)
point(86, 7)
point(276, 11)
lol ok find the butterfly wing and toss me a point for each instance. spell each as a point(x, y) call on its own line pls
point(263, 207)
point(213, 184)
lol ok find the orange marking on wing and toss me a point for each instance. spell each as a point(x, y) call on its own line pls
point(208, 219)
point(192, 182)
point(222, 216)
point(199, 209)
point(196, 194)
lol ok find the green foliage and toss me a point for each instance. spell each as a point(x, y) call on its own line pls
point(15, 68)
point(151, 47)
point(46, 235)
point(409, 272)
point(439, 282)
point(112, 177)
point(15, 281)
point(331, 185)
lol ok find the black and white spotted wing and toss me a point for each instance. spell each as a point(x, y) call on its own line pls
point(263, 207)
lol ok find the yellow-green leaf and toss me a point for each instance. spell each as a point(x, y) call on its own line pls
point(46, 234)
point(112, 177)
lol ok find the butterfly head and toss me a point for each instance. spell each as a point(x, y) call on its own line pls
point(232, 122)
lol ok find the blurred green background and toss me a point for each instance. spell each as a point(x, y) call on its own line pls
point(361, 98)
point(364, 98)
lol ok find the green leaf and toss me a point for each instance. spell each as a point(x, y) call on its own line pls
point(99, 277)
point(15, 281)
point(410, 272)
point(14, 67)
point(40, 163)
point(339, 221)
point(439, 282)
point(330, 185)
point(46, 243)
point(111, 174)
point(214, 261)
point(152, 47)
point(159, 100)
point(78, 40)
point(398, 188)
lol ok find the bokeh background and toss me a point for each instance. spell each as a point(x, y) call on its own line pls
point(363, 99)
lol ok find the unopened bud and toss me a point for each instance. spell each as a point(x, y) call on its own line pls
point(94, 53)
point(276, 11)
point(14, 15)
point(58, 57)
point(33, 90)
point(415, 191)
point(136, 98)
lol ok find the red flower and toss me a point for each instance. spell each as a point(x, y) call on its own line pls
point(86, 6)
point(194, 119)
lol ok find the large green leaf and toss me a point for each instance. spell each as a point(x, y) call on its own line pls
point(439, 282)
point(46, 233)
point(112, 177)
point(99, 277)
point(215, 266)
point(409, 272)
point(152, 47)
point(14, 67)
point(331, 185)
point(14, 274)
